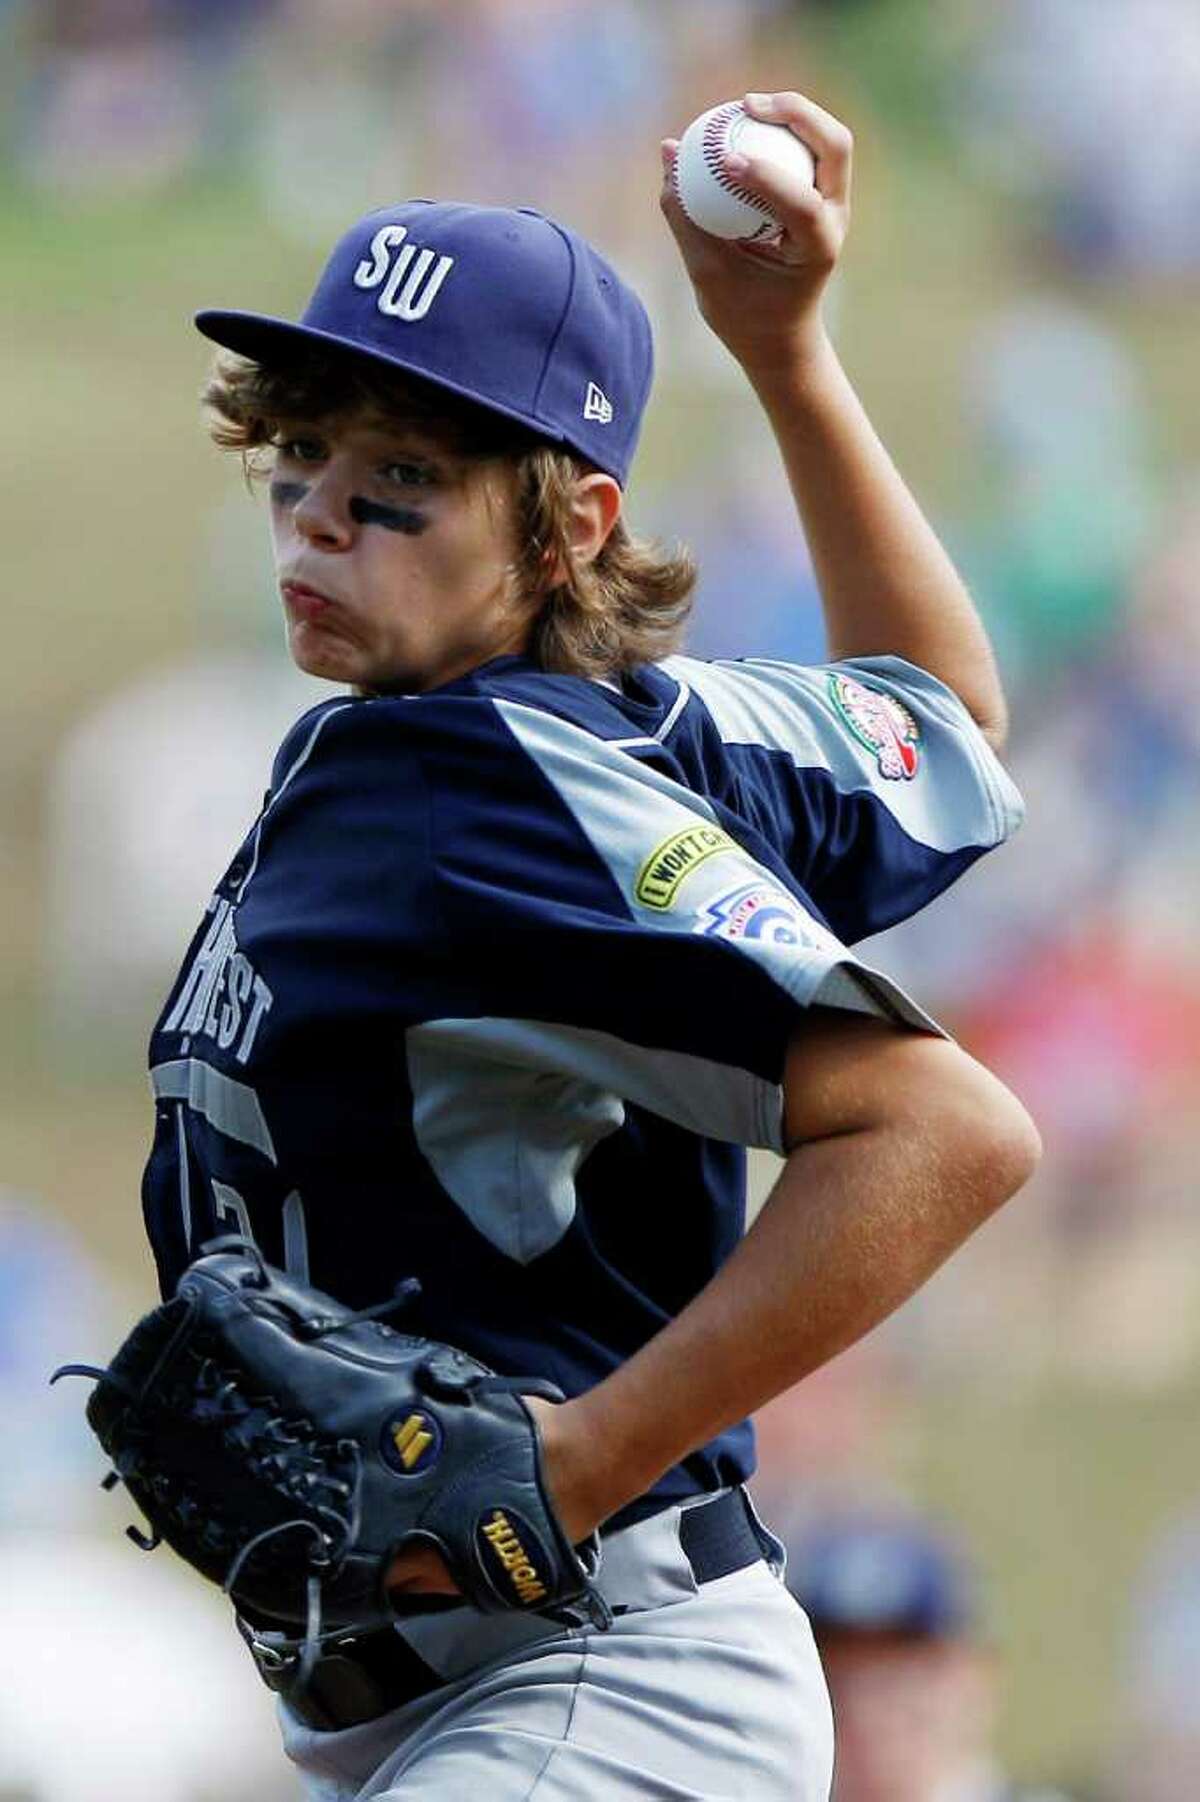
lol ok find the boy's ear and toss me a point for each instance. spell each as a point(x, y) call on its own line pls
point(595, 509)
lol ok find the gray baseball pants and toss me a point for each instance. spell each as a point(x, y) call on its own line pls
point(707, 1692)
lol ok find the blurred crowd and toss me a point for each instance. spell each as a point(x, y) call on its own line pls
point(1070, 961)
point(138, 92)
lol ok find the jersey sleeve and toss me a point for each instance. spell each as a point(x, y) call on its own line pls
point(601, 925)
point(868, 775)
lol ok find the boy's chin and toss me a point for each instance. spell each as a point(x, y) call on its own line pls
point(334, 659)
point(350, 672)
point(324, 661)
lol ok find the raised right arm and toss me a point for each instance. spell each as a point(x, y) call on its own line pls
point(887, 584)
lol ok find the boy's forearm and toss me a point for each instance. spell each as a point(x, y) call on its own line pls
point(857, 1221)
point(887, 585)
point(794, 1293)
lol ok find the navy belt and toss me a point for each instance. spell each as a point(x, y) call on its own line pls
point(360, 1679)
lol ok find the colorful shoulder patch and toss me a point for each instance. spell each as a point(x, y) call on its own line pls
point(758, 910)
point(880, 722)
point(669, 863)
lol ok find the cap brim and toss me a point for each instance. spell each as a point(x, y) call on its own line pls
point(267, 340)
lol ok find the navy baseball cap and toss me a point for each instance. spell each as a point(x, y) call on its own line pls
point(882, 1576)
point(498, 305)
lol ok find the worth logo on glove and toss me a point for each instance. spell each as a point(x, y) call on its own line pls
point(413, 1444)
point(501, 1540)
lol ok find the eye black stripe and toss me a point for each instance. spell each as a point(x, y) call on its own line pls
point(288, 494)
point(393, 519)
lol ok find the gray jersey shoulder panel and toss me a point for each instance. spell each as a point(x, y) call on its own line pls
point(507, 1111)
point(629, 812)
point(961, 796)
point(506, 1124)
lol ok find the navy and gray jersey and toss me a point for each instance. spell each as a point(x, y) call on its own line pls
point(501, 981)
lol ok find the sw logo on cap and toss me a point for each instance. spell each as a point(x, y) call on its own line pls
point(410, 288)
point(597, 406)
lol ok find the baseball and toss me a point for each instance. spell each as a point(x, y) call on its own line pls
point(709, 195)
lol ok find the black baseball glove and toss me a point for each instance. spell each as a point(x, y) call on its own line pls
point(288, 1448)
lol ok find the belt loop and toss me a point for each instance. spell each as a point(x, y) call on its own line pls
point(773, 1549)
point(719, 1536)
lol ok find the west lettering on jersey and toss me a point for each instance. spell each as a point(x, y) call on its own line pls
point(222, 997)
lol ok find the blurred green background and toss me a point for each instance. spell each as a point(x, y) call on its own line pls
point(1017, 307)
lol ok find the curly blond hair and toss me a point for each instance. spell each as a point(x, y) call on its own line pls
point(627, 606)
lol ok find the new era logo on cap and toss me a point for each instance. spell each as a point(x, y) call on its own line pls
point(597, 406)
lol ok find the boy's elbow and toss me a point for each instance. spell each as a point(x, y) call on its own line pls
point(1013, 1149)
point(962, 1128)
point(990, 1134)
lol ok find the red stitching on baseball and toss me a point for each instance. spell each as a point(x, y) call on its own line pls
point(713, 146)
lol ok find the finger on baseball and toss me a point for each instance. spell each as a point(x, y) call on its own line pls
point(668, 150)
point(668, 171)
point(831, 142)
point(799, 207)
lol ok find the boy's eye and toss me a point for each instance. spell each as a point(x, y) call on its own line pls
point(408, 475)
point(302, 450)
